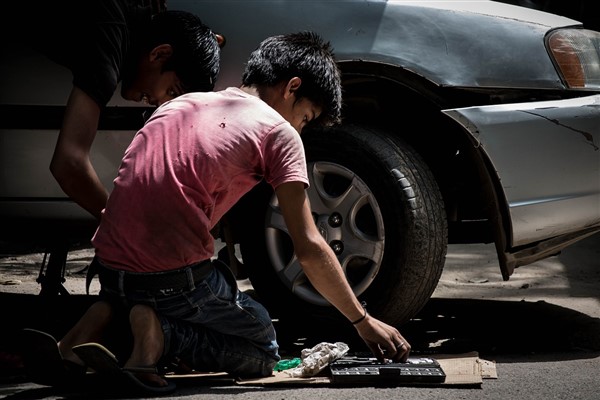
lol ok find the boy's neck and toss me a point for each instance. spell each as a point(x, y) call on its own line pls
point(251, 90)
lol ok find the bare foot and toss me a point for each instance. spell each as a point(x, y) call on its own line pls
point(148, 375)
point(90, 328)
point(148, 345)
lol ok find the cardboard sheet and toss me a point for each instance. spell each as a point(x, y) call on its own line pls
point(461, 370)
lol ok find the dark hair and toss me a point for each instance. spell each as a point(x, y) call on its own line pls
point(307, 56)
point(196, 53)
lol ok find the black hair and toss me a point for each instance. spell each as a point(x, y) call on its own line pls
point(196, 53)
point(307, 56)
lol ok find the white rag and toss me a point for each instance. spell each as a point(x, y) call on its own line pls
point(317, 358)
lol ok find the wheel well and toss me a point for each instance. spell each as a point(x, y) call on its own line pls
point(409, 107)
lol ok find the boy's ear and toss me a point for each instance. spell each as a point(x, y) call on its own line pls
point(292, 86)
point(161, 52)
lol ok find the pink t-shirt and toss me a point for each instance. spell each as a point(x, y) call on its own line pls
point(193, 160)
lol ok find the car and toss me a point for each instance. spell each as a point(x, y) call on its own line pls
point(463, 122)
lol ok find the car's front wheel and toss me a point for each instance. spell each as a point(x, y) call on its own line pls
point(378, 206)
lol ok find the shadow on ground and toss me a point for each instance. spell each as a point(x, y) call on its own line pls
point(492, 328)
point(445, 326)
point(504, 327)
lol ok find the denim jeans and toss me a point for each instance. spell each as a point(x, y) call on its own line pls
point(211, 326)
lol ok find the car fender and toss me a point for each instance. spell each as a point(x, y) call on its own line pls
point(508, 136)
point(399, 33)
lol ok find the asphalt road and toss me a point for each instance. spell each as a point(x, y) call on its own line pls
point(541, 329)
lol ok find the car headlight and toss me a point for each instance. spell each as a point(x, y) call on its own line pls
point(576, 53)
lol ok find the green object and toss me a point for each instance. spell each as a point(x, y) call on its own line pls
point(287, 364)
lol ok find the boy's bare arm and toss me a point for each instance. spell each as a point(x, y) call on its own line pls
point(322, 268)
point(71, 164)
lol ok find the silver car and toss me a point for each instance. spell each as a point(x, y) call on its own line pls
point(464, 122)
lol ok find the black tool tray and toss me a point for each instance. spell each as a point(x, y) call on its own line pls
point(361, 370)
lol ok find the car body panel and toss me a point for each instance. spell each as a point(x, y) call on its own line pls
point(29, 127)
point(28, 154)
point(550, 192)
point(392, 32)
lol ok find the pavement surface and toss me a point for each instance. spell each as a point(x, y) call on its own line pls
point(541, 328)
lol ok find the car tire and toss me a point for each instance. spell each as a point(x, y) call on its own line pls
point(378, 205)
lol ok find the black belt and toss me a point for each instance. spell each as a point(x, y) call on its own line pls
point(169, 281)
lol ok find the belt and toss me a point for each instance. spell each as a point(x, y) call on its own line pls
point(165, 282)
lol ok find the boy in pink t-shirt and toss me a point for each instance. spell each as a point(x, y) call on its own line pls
point(194, 159)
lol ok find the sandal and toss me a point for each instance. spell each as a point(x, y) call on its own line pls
point(101, 360)
point(43, 362)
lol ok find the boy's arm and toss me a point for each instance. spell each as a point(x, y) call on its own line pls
point(323, 269)
point(71, 165)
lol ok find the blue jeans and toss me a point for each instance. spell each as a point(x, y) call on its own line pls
point(211, 326)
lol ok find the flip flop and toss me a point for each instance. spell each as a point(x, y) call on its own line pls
point(101, 360)
point(44, 363)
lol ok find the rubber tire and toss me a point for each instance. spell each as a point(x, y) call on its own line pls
point(414, 224)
